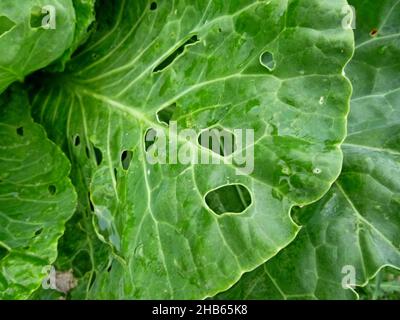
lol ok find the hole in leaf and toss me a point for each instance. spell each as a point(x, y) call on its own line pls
point(37, 17)
point(77, 140)
point(174, 55)
point(93, 278)
point(150, 138)
point(87, 151)
point(5, 25)
point(220, 141)
point(153, 6)
point(3, 252)
point(20, 131)
point(91, 206)
point(234, 198)
point(116, 174)
point(109, 268)
point(267, 60)
point(52, 189)
point(38, 232)
point(374, 32)
point(126, 158)
point(165, 115)
point(98, 155)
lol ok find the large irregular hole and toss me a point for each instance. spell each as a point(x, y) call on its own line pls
point(5, 25)
point(218, 140)
point(233, 198)
point(166, 115)
point(267, 60)
point(126, 158)
point(171, 58)
point(37, 17)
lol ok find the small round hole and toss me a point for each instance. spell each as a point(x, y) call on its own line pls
point(153, 6)
point(267, 60)
point(77, 140)
point(52, 189)
point(20, 131)
point(374, 32)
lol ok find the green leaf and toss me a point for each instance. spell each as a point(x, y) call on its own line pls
point(85, 18)
point(358, 222)
point(36, 197)
point(385, 286)
point(79, 251)
point(199, 63)
point(25, 45)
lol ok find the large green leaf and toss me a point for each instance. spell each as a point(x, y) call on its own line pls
point(25, 45)
point(162, 234)
point(36, 198)
point(358, 222)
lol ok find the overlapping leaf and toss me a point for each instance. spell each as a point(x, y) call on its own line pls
point(81, 254)
point(154, 217)
point(26, 44)
point(357, 224)
point(84, 24)
point(36, 198)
